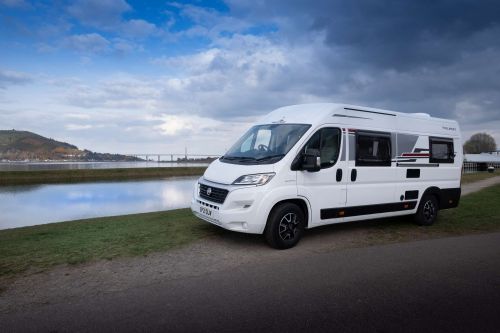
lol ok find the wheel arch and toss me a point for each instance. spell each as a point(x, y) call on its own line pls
point(300, 202)
point(433, 190)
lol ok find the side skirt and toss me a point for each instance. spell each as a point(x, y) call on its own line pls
point(332, 213)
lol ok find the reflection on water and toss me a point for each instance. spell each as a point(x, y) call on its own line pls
point(33, 166)
point(30, 205)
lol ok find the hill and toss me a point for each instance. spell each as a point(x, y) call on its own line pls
point(24, 145)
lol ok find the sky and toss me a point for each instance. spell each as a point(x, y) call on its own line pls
point(158, 76)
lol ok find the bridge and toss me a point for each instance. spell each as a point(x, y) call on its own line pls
point(173, 157)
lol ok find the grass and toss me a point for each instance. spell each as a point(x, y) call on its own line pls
point(90, 175)
point(477, 213)
point(474, 177)
point(40, 247)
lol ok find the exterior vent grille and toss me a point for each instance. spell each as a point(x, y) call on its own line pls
point(213, 194)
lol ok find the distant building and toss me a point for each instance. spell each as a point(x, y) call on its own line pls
point(481, 162)
point(492, 157)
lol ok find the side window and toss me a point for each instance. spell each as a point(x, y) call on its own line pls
point(373, 149)
point(327, 141)
point(441, 150)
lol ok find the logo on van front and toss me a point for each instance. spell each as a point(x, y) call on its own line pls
point(209, 191)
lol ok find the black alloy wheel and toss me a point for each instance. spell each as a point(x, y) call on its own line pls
point(427, 211)
point(285, 226)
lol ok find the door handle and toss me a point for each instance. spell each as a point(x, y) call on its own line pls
point(339, 175)
point(354, 174)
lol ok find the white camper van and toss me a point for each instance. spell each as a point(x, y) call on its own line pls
point(304, 166)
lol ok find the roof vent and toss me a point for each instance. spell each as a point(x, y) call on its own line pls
point(421, 115)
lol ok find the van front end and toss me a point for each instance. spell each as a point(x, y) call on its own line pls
point(232, 207)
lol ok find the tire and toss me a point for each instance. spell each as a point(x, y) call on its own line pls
point(285, 226)
point(427, 211)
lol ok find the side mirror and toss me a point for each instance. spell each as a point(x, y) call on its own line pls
point(311, 160)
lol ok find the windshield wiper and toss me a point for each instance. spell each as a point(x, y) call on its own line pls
point(269, 157)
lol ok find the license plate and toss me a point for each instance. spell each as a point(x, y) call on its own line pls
point(205, 211)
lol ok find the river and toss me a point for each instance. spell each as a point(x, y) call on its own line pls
point(27, 205)
point(33, 166)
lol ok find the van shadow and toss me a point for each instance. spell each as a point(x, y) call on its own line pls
point(348, 232)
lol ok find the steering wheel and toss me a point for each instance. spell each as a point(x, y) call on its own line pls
point(262, 147)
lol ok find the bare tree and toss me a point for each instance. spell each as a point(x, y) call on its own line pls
point(480, 143)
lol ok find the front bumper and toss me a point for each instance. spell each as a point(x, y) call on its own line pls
point(239, 212)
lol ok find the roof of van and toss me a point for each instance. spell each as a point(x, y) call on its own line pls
point(320, 113)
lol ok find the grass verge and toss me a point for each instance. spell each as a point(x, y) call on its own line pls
point(90, 175)
point(477, 212)
point(41, 247)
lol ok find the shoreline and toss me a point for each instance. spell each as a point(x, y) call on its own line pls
point(10, 178)
point(33, 249)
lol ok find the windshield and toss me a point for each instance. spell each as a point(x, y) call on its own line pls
point(264, 144)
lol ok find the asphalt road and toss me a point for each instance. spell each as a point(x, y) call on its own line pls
point(441, 285)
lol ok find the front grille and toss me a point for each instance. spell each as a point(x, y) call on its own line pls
point(217, 195)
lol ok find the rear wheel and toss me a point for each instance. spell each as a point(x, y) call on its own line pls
point(427, 211)
point(285, 226)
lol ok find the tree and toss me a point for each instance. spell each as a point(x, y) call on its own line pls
point(480, 143)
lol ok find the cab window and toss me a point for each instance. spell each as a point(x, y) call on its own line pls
point(327, 141)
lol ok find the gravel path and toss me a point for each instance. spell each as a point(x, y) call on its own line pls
point(440, 285)
point(479, 185)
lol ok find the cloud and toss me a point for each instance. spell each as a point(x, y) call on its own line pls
point(204, 22)
point(138, 28)
point(77, 127)
point(388, 33)
point(120, 92)
point(226, 67)
point(13, 77)
point(96, 44)
point(102, 14)
point(107, 15)
point(87, 43)
point(172, 125)
point(123, 46)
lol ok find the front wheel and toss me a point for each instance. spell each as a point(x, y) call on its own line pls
point(285, 226)
point(427, 211)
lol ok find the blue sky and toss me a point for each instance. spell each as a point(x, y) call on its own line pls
point(157, 76)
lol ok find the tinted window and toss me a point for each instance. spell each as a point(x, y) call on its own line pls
point(373, 149)
point(441, 150)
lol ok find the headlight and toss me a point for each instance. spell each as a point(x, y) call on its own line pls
point(256, 179)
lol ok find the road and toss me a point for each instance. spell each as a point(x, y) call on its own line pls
point(441, 285)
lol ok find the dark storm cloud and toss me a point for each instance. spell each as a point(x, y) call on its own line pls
point(441, 57)
point(390, 33)
point(403, 34)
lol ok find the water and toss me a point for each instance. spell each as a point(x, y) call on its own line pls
point(39, 204)
point(29, 166)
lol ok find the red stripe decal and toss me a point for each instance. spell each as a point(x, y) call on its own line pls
point(415, 155)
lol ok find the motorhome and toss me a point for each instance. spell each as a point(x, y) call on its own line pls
point(304, 166)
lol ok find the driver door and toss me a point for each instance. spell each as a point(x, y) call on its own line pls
point(325, 189)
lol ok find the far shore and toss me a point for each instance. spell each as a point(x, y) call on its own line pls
point(92, 175)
